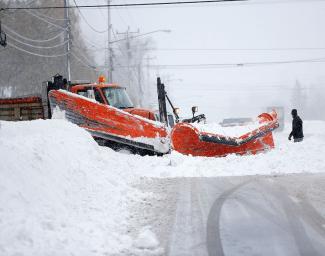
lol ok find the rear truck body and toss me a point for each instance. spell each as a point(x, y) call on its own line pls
point(24, 108)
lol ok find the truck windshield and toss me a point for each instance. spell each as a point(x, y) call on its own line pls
point(117, 97)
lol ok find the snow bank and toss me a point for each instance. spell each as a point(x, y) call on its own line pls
point(286, 158)
point(60, 193)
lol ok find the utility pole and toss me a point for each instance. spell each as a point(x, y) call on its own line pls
point(140, 85)
point(67, 37)
point(148, 59)
point(128, 48)
point(147, 80)
point(109, 49)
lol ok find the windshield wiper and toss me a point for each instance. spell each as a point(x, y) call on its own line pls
point(124, 107)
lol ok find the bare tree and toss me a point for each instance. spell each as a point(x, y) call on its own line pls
point(129, 69)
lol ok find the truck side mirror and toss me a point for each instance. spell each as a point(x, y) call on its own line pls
point(194, 110)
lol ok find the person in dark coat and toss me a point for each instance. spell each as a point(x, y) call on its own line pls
point(297, 131)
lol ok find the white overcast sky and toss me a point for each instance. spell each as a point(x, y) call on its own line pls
point(254, 24)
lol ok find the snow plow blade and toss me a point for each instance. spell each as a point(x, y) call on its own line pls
point(189, 140)
point(111, 124)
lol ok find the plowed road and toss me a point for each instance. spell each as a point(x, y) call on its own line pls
point(251, 215)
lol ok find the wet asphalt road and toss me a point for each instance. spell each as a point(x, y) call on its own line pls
point(251, 215)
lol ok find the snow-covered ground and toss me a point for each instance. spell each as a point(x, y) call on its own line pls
point(287, 157)
point(62, 194)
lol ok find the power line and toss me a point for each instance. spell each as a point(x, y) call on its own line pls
point(37, 46)
point(36, 54)
point(101, 11)
point(121, 17)
point(82, 62)
point(94, 45)
point(222, 49)
point(240, 49)
point(90, 67)
point(45, 20)
point(86, 21)
point(130, 16)
point(122, 5)
point(49, 17)
point(144, 34)
point(83, 56)
point(237, 4)
point(96, 48)
point(131, 70)
point(27, 4)
point(233, 65)
point(171, 3)
point(31, 39)
point(42, 18)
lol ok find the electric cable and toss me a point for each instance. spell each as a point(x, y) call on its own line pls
point(45, 20)
point(240, 49)
point(49, 17)
point(38, 46)
point(233, 65)
point(86, 21)
point(36, 54)
point(131, 68)
point(90, 67)
point(83, 56)
point(97, 47)
point(30, 39)
point(167, 3)
point(122, 5)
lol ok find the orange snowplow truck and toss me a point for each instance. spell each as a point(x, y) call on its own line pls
point(113, 122)
point(107, 113)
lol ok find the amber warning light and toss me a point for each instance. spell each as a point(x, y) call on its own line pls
point(101, 79)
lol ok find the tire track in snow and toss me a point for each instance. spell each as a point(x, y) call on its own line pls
point(201, 223)
point(293, 213)
point(302, 240)
point(213, 236)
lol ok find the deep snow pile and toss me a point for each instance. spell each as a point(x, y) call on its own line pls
point(286, 158)
point(59, 192)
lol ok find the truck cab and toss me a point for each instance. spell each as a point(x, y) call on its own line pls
point(116, 96)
